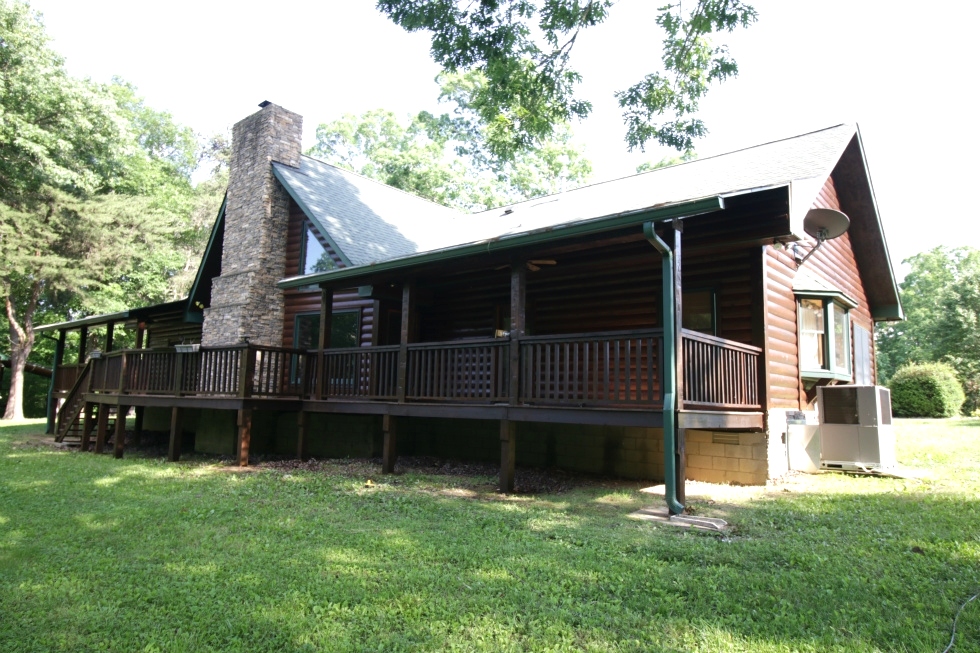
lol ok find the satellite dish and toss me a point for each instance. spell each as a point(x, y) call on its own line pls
point(825, 224)
point(822, 224)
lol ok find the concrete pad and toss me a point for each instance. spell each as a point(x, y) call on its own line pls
point(663, 516)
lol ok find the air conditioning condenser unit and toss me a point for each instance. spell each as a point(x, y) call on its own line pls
point(856, 431)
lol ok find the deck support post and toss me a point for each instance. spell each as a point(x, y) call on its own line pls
point(508, 451)
point(176, 434)
point(109, 328)
point(301, 445)
point(390, 455)
point(88, 424)
point(102, 428)
point(518, 303)
point(323, 341)
point(138, 426)
point(140, 331)
point(244, 435)
point(119, 433)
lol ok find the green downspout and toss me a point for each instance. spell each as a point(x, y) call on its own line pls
point(669, 371)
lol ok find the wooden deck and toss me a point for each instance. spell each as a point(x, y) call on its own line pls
point(610, 378)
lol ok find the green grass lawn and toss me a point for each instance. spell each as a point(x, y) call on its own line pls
point(98, 554)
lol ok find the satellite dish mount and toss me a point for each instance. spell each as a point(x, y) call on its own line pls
point(822, 224)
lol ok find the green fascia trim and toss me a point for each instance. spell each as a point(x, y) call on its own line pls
point(85, 321)
point(503, 243)
point(312, 216)
point(893, 313)
point(841, 298)
point(207, 251)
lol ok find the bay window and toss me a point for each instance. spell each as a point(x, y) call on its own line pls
point(825, 338)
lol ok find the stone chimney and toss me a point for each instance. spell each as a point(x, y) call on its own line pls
point(245, 302)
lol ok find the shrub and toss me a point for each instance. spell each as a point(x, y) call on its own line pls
point(927, 390)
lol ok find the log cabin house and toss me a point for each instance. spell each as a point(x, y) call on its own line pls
point(658, 326)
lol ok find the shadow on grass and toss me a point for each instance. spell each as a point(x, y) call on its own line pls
point(98, 554)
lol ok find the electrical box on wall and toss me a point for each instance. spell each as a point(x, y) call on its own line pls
point(856, 430)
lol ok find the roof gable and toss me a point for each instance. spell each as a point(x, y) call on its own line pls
point(364, 220)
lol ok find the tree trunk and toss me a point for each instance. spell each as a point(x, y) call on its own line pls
point(15, 399)
point(21, 344)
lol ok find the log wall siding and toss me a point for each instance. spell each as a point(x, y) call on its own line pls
point(168, 334)
point(299, 302)
point(781, 338)
point(834, 262)
point(602, 289)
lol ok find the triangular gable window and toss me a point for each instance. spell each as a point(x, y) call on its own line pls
point(315, 257)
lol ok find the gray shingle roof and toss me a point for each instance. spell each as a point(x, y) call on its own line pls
point(369, 222)
point(366, 221)
point(805, 161)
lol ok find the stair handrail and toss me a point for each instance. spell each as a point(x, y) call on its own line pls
point(72, 407)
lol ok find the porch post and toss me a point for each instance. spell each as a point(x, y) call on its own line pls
point(390, 455)
point(244, 435)
point(408, 306)
point(140, 331)
point(176, 434)
point(59, 355)
point(109, 328)
point(508, 450)
point(82, 340)
point(119, 436)
point(323, 340)
point(679, 361)
point(518, 306)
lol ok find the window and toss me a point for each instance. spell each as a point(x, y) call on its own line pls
point(314, 257)
point(345, 330)
point(698, 311)
point(825, 342)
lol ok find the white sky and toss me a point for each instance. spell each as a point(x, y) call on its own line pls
point(904, 72)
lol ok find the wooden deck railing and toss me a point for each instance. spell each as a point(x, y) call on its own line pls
point(369, 373)
point(720, 374)
point(597, 369)
point(65, 377)
point(468, 370)
point(615, 369)
point(237, 371)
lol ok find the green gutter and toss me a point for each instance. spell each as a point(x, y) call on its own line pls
point(669, 368)
point(503, 243)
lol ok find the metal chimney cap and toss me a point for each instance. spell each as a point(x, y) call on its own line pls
point(264, 104)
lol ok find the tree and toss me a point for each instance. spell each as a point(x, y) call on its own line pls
point(90, 183)
point(523, 48)
point(941, 298)
point(447, 158)
point(668, 161)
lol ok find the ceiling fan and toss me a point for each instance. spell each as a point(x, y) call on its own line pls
point(534, 264)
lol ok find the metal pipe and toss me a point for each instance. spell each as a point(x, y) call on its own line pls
point(669, 368)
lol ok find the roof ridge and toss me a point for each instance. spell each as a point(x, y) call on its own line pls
point(676, 165)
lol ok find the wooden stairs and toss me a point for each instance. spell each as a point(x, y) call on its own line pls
point(70, 425)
